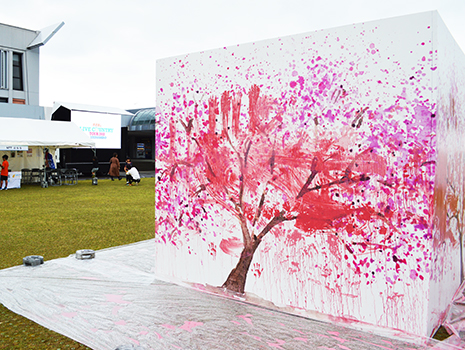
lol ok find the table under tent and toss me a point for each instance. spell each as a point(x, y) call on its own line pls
point(26, 142)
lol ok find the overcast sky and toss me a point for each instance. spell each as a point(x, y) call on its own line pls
point(106, 52)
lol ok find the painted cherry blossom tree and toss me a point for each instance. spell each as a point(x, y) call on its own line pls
point(265, 173)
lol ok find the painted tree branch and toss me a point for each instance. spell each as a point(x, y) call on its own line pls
point(275, 221)
point(260, 207)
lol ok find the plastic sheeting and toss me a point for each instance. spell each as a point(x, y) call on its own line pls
point(114, 300)
point(455, 319)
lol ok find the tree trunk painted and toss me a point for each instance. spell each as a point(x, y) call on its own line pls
point(236, 279)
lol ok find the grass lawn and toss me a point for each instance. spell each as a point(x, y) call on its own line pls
point(55, 222)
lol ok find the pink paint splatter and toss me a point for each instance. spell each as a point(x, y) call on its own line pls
point(231, 246)
point(246, 318)
point(188, 325)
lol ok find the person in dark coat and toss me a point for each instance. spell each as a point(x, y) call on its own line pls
point(114, 167)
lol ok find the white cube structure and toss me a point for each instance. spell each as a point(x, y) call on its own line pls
point(336, 157)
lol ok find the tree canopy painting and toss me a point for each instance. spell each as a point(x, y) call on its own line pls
point(310, 160)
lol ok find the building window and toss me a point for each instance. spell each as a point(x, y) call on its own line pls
point(17, 71)
point(3, 69)
point(19, 101)
point(3, 99)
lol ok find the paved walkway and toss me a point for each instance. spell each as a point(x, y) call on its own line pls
point(114, 299)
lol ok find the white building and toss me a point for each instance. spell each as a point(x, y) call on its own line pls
point(19, 70)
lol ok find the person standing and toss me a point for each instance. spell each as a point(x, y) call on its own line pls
point(4, 172)
point(49, 163)
point(114, 167)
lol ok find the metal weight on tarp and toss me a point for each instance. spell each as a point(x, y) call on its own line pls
point(85, 254)
point(33, 260)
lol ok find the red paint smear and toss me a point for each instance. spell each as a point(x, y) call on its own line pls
point(334, 246)
point(253, 107)
point(212, 114)
point(318, 213)
point(236, 111)
point(231, 246)
point(294, 237)
point(225, 109)
point(172, 138)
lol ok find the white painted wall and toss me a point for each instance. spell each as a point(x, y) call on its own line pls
point(403, 70)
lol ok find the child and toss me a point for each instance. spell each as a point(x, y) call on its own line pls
point(4, 172)
point(126, 168)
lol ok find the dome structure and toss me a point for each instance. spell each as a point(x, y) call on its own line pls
point(143, 120)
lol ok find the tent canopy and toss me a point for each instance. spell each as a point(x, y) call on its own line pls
point(32, 132)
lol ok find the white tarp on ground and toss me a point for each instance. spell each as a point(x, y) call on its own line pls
point(116, 300)
point(37, 134)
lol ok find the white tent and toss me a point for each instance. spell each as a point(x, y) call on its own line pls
point(46, 133)
point(18, 134)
